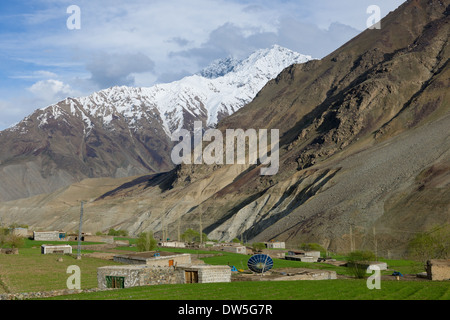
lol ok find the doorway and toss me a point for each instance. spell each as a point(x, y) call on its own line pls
point(191, 276)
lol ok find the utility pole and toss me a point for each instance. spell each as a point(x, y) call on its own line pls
point(351, 239)
point(79, 232)
point(201, 229)
point(375, 243)
point(179, 227)
point(163, 231)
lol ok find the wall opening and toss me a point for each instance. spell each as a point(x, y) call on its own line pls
point(115, 282)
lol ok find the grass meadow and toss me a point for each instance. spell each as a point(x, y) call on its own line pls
point(31, 271)
point(348, 289)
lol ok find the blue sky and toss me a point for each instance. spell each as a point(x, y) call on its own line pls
point(144, 42)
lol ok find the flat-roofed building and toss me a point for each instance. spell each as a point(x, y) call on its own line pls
point(60, 249)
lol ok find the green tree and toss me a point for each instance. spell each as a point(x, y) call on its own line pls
point(146, 242)
point(258, 246)
point(11, 240)
point(358, 261)
point(3, 236)
point(190, 235)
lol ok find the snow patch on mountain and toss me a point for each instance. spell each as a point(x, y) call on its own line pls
point(219, 68)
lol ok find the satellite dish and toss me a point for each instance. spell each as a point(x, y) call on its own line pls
point(260, 263)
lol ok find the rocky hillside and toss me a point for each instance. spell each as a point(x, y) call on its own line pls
point(123, 131)
point(364, 157)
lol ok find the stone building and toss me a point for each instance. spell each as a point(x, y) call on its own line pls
point(235, 249)
point(438, 270)
point(49, 236)
point(144, 275)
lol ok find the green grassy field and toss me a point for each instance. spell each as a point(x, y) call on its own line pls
point(279, 290)
point(30, 271)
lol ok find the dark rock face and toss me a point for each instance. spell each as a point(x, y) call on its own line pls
point(54, 148)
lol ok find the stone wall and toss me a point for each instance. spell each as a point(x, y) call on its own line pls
point(96, 247)
point(105, 239)
point(163, 275)
point(9, 251)
point(213, 274)
point(438, 270)
point(309, 275)
point(46, 294)
point(140, 275)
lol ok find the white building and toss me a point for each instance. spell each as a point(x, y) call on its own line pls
point(275, 245)
point(236, 249)
point(172, 244)
point(61, 249)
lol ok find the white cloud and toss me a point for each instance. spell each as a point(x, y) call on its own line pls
point(51, 91)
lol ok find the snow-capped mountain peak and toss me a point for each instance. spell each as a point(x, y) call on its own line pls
point(218, 91)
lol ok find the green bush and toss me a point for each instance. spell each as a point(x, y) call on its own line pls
point(146, 242)
point(117, 233)
point(313, 247)
point(358, 261)
point(10, 240)
point(258, 246)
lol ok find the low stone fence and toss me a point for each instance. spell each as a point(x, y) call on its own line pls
point(9, 251)
point(95, 247)
point(46, 294)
